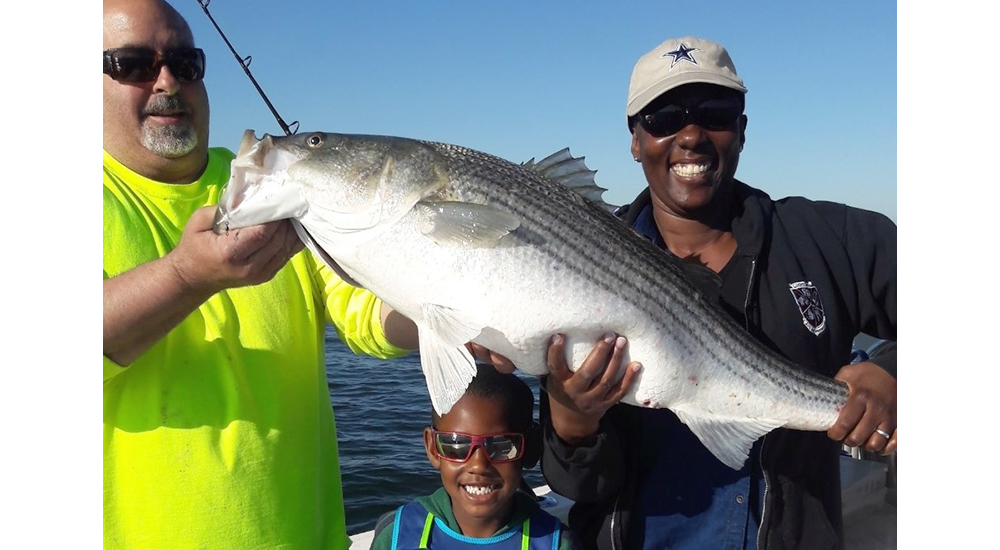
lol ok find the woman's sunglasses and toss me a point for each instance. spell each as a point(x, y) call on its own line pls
point(458, 447)
point(143, 64)
point(711, 114)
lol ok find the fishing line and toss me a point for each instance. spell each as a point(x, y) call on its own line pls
point(245, 63)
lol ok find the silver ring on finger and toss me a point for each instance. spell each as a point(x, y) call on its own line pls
point(883, 433)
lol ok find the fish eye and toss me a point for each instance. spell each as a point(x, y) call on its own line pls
point(315, 140)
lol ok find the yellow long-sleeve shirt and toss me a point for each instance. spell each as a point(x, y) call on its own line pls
point(222, 434)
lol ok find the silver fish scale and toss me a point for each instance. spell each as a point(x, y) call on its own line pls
point(644, 275)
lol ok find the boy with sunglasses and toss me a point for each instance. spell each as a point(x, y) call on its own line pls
point(480, 447)
point(805, 277)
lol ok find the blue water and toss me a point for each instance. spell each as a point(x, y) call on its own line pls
point(382, 408)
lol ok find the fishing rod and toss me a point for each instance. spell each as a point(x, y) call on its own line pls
point(245, 63)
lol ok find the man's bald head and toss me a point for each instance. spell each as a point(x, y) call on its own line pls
point(118, 13)
point(160, 128)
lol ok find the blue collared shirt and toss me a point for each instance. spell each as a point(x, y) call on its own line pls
point(689, 499)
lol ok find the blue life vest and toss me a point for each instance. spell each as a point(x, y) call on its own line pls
point(415, 527)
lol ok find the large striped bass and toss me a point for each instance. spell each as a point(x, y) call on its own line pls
point(475, 248)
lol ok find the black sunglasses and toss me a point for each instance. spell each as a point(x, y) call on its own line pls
point(711, 114)
point(143, 64)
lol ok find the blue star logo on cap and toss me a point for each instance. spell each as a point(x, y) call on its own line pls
point(682, 53)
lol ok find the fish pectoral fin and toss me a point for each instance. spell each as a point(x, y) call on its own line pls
point(464, 224)
point(571, 172)
point(448, 369)
point(729, 439)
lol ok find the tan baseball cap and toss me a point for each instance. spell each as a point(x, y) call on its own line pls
point(676, 62)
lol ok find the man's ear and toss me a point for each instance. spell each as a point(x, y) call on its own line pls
point(428, 448)
point(532, 446)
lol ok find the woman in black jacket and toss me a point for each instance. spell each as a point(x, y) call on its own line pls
point(803, 277)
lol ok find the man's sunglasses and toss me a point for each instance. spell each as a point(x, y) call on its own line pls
point(143, 64)
point(458, 447)
point(711, 114)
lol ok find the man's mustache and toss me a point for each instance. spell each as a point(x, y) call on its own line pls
point(165, 105)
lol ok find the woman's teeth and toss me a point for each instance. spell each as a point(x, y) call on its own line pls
point(688, 170)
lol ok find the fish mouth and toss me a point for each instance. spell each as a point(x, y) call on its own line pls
point(258, 165)
point(248, 168)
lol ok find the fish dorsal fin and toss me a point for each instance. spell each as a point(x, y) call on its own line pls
point(729, 439)
point(464, 224)
point(570, 171)
point(447, 364)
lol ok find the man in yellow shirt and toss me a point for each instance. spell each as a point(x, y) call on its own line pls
point(218, 428)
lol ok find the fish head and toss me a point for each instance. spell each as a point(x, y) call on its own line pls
point(350, 182)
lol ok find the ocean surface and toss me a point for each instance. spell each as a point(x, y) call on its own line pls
point(381, 409)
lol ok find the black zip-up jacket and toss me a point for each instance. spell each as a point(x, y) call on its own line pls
point(849, 256)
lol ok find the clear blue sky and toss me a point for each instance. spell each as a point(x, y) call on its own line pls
point(523, 79)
